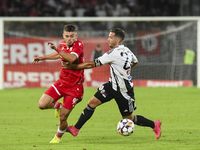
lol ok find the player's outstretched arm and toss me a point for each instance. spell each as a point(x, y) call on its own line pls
point(85, 65)
point(46, 57)
point(37, 59)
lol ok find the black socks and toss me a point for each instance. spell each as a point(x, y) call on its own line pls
point(142, 121)
point(86, 114)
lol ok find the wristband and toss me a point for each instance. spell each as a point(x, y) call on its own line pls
point(97, 62)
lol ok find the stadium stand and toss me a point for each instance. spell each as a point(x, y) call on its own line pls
point(89, 8)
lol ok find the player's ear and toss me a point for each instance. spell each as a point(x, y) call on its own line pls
point(118, 40)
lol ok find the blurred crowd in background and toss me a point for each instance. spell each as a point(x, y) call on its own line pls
point(89, 8)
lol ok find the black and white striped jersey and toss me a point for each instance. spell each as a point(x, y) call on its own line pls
point(119, 59)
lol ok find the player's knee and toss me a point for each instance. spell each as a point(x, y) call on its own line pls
point(41, 106)
point(45, 102)
point(93, 103)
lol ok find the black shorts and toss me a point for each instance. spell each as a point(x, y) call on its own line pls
point(125, 101)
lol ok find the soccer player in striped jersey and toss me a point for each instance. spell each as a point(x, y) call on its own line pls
point(119, 86)
point(69, 86)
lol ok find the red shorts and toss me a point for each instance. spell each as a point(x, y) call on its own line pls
point(71, 95)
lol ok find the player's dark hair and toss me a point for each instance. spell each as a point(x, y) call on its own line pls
point(119, 33)
point(70, 28)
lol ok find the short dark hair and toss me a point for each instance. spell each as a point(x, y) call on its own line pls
point(119, 33)
point(70, 28)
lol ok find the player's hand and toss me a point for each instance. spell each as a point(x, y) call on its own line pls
point(52, 45)
point(37, 59)
point(66, 65)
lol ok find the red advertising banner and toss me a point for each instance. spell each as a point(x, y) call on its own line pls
point(149, 44)
point(20, 72)
point(163, 83)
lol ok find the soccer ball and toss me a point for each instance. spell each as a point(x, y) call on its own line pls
point(125, 127)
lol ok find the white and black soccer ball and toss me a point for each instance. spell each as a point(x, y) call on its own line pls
point(125, 127)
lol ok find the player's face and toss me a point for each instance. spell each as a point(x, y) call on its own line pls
point(113, 41)
point(70, 37)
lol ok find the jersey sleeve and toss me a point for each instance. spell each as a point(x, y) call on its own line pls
point(77, 48)
point(134, 58)
point(107, 57)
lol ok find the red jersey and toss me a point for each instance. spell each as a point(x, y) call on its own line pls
point(69, 78)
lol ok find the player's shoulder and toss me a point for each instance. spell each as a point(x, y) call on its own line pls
point(78, 43)
point(126, 49)
point(113, 50)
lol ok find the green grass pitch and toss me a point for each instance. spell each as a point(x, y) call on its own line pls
point(23, 126)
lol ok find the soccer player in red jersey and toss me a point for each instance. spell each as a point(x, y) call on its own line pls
point(70, 83)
